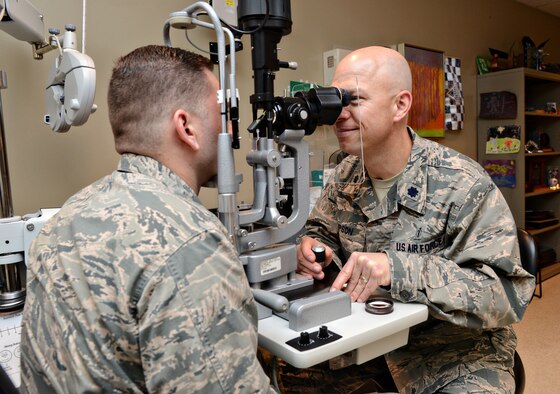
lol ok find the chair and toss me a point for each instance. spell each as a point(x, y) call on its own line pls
point(6, 384)
point(529, 260)
point(519, 372)
point(336, 157)
point(529, 257)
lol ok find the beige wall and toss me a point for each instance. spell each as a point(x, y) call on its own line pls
point(46, 168)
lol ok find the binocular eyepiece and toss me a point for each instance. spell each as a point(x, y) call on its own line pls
point(307, 110)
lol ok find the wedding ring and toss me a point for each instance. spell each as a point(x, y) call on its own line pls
point(363, 279)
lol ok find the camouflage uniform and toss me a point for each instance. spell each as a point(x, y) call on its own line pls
point(134, 287)
point(451, 243)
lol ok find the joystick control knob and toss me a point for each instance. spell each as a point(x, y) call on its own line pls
point(304, 339)
point(320, 255)
point(323, 332)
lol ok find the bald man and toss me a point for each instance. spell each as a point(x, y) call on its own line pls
point(425, 223)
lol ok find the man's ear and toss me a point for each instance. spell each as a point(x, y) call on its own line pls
point(403, 103)
point(186, 129)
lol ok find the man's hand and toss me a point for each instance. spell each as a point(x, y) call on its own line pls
point(363, 273)
point(306, 259)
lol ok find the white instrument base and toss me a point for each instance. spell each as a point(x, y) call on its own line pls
point(366, 334)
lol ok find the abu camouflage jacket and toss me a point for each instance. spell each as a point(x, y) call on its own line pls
point(134, 287)
point(452, 245)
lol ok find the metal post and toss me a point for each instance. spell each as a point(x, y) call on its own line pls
point(6, 207)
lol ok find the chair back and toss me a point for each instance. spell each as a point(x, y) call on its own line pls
point(6, 384)
point(528, 251)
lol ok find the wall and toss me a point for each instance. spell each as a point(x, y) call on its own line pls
point(46, 168)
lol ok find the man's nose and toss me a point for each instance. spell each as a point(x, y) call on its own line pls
point(344, 114)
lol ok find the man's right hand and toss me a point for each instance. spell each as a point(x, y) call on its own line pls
point(306, 259)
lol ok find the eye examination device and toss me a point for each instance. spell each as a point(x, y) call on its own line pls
point(279, 157)
point(264, 232)
point(300, 319)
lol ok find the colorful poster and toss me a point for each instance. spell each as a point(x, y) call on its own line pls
point(427, 115)
point(502, 172)
point(454, 104)
point(503, 139)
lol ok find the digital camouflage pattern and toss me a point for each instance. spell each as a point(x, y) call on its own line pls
point(134, 287)
point(452, 245)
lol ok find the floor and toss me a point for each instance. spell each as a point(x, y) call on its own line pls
point(538, 336)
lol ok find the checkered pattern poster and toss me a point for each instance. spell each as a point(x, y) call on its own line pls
point(454, 105)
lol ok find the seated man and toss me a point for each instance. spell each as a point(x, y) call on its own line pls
point(134, 286)
point(425, 222)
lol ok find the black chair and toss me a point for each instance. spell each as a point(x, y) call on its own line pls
point(519, 372)
point(6, 384)
point(529, 260)
point(530, 257)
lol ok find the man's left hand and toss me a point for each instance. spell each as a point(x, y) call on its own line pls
point(362, 274)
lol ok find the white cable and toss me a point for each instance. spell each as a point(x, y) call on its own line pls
point(84, 26)
point(60, 50)
point(361, 133)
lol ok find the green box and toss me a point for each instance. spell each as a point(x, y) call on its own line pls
point(300, 86)
point(317, 178)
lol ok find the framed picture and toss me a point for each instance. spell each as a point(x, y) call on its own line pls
point(454, 103)
point(427, 116)
point(503, 139)
point(502, 172)
point(498, 105)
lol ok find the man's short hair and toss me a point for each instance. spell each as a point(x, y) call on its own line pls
point(147, 86)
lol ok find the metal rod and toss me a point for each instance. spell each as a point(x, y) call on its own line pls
point(6, 207)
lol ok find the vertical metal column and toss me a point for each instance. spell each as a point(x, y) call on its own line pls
point(12, 265)
point(6, 207)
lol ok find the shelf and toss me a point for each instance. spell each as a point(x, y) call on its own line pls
point(540, 154)
point(543, 114)
point(541, 190)
point(538, 231)
point(550, 270)
point(526, 72)
point(541, 75)
point(533, 90)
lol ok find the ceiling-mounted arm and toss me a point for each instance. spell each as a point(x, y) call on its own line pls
point(22, 20)
point(70, 87)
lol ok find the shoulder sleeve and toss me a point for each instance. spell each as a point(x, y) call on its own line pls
point(478, 281)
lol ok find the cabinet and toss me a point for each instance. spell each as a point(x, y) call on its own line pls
point(535, 206)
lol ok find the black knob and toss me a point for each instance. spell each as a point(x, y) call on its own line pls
point(319, 251)
point(323, 332)
point(304, 338)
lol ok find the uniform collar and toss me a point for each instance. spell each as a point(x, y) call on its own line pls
point(409, 191)
point(138, 164)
